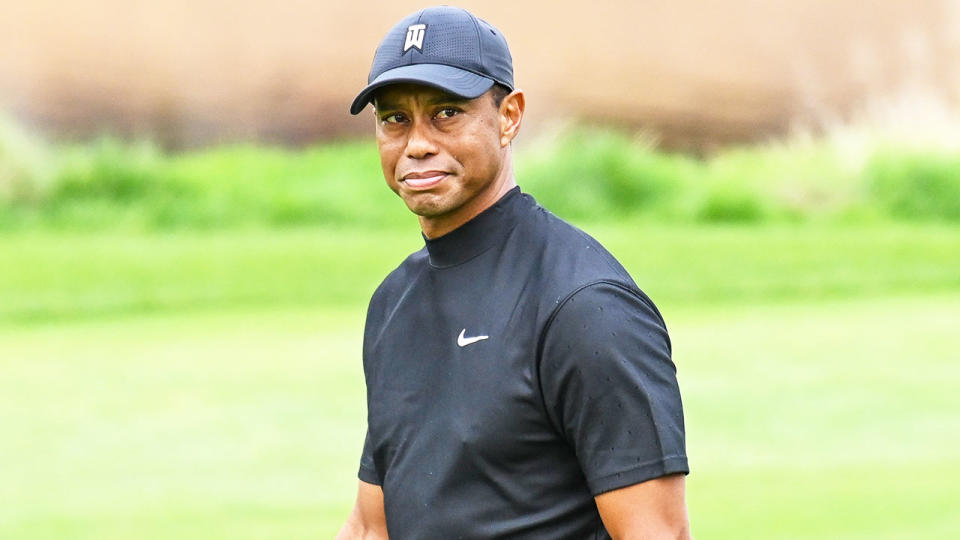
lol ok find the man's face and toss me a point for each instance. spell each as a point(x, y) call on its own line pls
point(443, 155)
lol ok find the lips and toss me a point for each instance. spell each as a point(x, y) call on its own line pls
point(424, 179)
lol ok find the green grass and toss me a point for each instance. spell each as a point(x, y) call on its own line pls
point(194, 425)
point(825, 420)
point(831, 419)
point(77, 275)
point(208, 384)
point(581, 172)
point(45, 275)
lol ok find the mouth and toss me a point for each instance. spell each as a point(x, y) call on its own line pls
point(424, 180)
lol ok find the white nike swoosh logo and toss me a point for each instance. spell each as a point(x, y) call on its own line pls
point(464, 341)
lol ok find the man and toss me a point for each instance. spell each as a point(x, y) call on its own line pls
point(519, 384)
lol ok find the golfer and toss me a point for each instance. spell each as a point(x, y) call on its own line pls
point(519, 383)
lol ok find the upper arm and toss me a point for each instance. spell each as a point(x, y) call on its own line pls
point(367, 520)
point(610, 387)
point(653, 509)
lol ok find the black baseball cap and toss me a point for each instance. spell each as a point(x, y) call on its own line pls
point(445, 47)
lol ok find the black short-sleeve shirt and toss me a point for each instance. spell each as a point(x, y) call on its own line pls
point(514, 371)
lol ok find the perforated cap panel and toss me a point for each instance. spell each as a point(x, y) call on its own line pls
point(452, 39)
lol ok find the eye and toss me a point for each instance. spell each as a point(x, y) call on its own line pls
point(393, 118)
point(447, 112)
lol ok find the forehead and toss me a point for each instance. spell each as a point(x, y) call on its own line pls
point(400, 94)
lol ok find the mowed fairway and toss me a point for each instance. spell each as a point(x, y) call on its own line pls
point(816, 408)
point(195, 425)
point(828, 420)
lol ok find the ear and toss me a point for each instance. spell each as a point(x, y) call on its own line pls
point(511, 115)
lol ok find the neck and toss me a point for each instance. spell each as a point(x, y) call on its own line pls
point(436, 226)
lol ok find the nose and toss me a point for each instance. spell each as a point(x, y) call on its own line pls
point(420, 143)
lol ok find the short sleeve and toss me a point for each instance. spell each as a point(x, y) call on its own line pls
point(368, 469)
point(610, 386)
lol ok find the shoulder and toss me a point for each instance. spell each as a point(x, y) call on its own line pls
point(403, 273)
point(570, 255)
point(605, 333)
point(608, 311)
point(397, 281)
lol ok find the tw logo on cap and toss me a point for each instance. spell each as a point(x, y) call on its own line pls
point(414, 37)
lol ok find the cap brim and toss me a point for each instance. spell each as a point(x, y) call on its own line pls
point(450, 79)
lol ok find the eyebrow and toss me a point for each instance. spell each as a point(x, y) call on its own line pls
point(436, 100)
point(447, 98)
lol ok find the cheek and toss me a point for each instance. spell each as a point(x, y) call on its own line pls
point(483, 153)
point(388, 158)
point(478, 151)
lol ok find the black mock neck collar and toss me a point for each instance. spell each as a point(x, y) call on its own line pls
point(485, 230)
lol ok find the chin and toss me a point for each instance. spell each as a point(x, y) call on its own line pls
point(425, 205)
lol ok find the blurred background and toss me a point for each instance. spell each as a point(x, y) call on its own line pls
point(191, 224)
